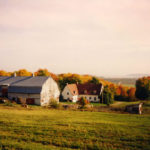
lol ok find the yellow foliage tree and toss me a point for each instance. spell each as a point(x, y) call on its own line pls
point(4, 73)
point(23, 72)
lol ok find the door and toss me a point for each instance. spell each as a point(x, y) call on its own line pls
point(4, 92)
point(30, 101)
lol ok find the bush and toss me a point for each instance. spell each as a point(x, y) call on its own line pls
point(82, 102)
point(8, 104)
point(54, 104)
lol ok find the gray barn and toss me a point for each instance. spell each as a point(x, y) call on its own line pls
point(36, 90)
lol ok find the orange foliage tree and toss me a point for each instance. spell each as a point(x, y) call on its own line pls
point(121, 93)
point(131, 94)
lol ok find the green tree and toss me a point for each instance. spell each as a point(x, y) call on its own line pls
point(45, 72)
point(67, 80)
point(108, 96)
point(143, 88)
point(42, 72)
point(94, 80)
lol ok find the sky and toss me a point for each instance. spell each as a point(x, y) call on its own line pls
point(98, 37)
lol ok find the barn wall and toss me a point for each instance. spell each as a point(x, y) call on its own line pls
point(36, 97)
point(49, 90)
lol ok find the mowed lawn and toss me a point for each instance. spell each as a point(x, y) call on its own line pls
point(41, 128)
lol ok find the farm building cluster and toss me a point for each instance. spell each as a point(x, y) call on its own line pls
point(34, 90)
point(39, 90)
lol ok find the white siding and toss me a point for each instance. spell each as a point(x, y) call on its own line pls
point(91, 98)
point(49, 90)
point(67, 95)
point(75, 98)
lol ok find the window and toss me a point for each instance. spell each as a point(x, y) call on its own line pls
point(85, 91)
point(89, 97)
point(74, 92)
point(95, 98)
point(94, 91)
point(67, 93)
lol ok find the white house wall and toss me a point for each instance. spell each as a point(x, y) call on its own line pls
point(67, 95)
point(91, 98)
point(75, 98)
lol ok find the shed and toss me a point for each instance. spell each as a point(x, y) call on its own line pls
point(135, 108)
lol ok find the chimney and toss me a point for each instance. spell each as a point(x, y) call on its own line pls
point(15, 74)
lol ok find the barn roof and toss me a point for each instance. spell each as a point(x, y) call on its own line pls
point(26, 90)
point(23, 84)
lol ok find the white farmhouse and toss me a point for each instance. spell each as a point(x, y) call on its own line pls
point(70, 92)
point(91, 92)
point(35, 90)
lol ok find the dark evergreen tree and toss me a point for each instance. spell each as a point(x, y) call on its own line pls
point(143, 88)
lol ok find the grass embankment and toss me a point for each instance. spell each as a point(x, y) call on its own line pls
point(41, 128)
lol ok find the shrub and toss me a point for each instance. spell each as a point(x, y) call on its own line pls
point(8, 104)
point(54, 103)
point(82, 102)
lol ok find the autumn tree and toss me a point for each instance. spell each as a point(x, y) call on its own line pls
point(131, 94)
point(112, 88)
point(82, 102)
point(4, 73)
point(121, 93)
point(143, 88)
point(23, 72)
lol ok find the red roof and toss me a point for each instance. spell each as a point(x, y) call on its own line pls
point(89, 89)
point(85, 89)
point(73, 89)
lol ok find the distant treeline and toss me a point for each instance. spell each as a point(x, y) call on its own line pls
point(123, 81)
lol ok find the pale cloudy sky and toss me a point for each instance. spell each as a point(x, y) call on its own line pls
point(99, 37)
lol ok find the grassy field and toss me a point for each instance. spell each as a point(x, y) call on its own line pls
point(41, 128)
